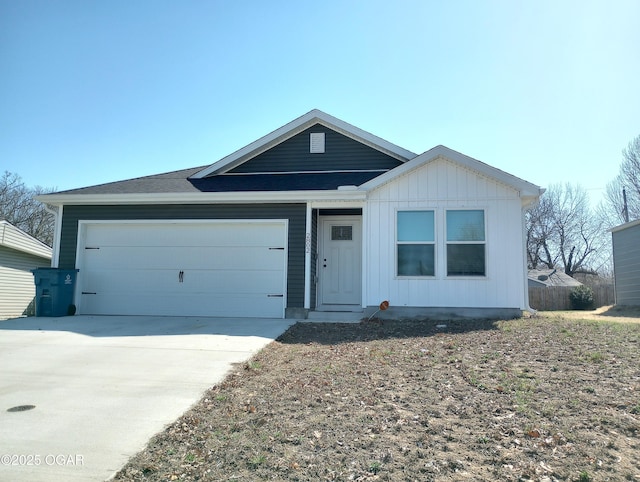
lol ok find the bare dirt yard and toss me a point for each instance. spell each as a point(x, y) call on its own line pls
point(545, 398)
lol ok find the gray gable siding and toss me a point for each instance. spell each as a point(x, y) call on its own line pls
point(341, 153)
point(626, 261)
point(295, 213)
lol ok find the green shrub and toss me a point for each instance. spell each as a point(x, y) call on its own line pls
point(581, 298)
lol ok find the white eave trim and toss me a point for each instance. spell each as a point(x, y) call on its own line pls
point(349, 193)
point(624, 226)
point(298, 125)
point(527, 190)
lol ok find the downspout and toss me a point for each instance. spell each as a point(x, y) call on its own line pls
point(525, 208)
point(56, 211)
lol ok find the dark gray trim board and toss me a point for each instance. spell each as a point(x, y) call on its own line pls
point(314, 258)
point(295, 213)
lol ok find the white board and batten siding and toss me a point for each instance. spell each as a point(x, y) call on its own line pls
point(183, 268)
point(19, 255)
point(439, 186)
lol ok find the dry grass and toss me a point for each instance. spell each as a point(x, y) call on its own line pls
point(618, 314)
point(545, 398)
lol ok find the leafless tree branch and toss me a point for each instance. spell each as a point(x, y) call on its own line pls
point(563, 232)
point(19, 207)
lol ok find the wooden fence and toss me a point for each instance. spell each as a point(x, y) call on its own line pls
point(557, 297)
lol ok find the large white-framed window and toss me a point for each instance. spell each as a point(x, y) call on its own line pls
point(415, 243)
point(466, 242)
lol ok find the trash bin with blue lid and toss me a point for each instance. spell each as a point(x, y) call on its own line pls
point(55, 291)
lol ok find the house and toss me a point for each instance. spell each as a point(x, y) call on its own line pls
point(547, 278)
point(318, 215)
point(550, 289)
point(626, 263)
point(19, 254)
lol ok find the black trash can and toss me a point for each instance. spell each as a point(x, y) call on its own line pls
point(55, 291)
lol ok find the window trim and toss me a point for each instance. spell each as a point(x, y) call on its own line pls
point(433, 243)
point(466, 243)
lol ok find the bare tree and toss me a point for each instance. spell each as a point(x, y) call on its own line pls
point(540, 230)
point(19, 207)
point(562, 232)
point(628, 179)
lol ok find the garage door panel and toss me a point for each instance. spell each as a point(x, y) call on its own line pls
point(116, 282)
point(214, 305)
point(184, 258)
point(129, 270)
point(131, 258)
point(179, 234)
point(242, 258)
point(234, 282)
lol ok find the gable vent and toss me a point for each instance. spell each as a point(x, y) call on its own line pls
point(317, 143)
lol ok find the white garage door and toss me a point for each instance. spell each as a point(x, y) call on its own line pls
point(212, 268)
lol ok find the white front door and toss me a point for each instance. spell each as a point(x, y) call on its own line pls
point(340, 262)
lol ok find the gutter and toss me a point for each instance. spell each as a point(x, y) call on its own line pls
point(343, 193)
point(525, 207)
point(528, 202)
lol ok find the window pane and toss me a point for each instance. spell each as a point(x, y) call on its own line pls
point(415, 226)
point(465, 225)
point(341, 233)
point(416, 260)
point(465, 260)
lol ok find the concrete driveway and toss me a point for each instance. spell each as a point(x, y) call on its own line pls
point(102, 386)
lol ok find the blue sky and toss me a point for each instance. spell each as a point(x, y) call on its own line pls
point(100, 91)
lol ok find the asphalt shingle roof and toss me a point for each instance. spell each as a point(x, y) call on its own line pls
point(550, 277)
point(180, 182)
